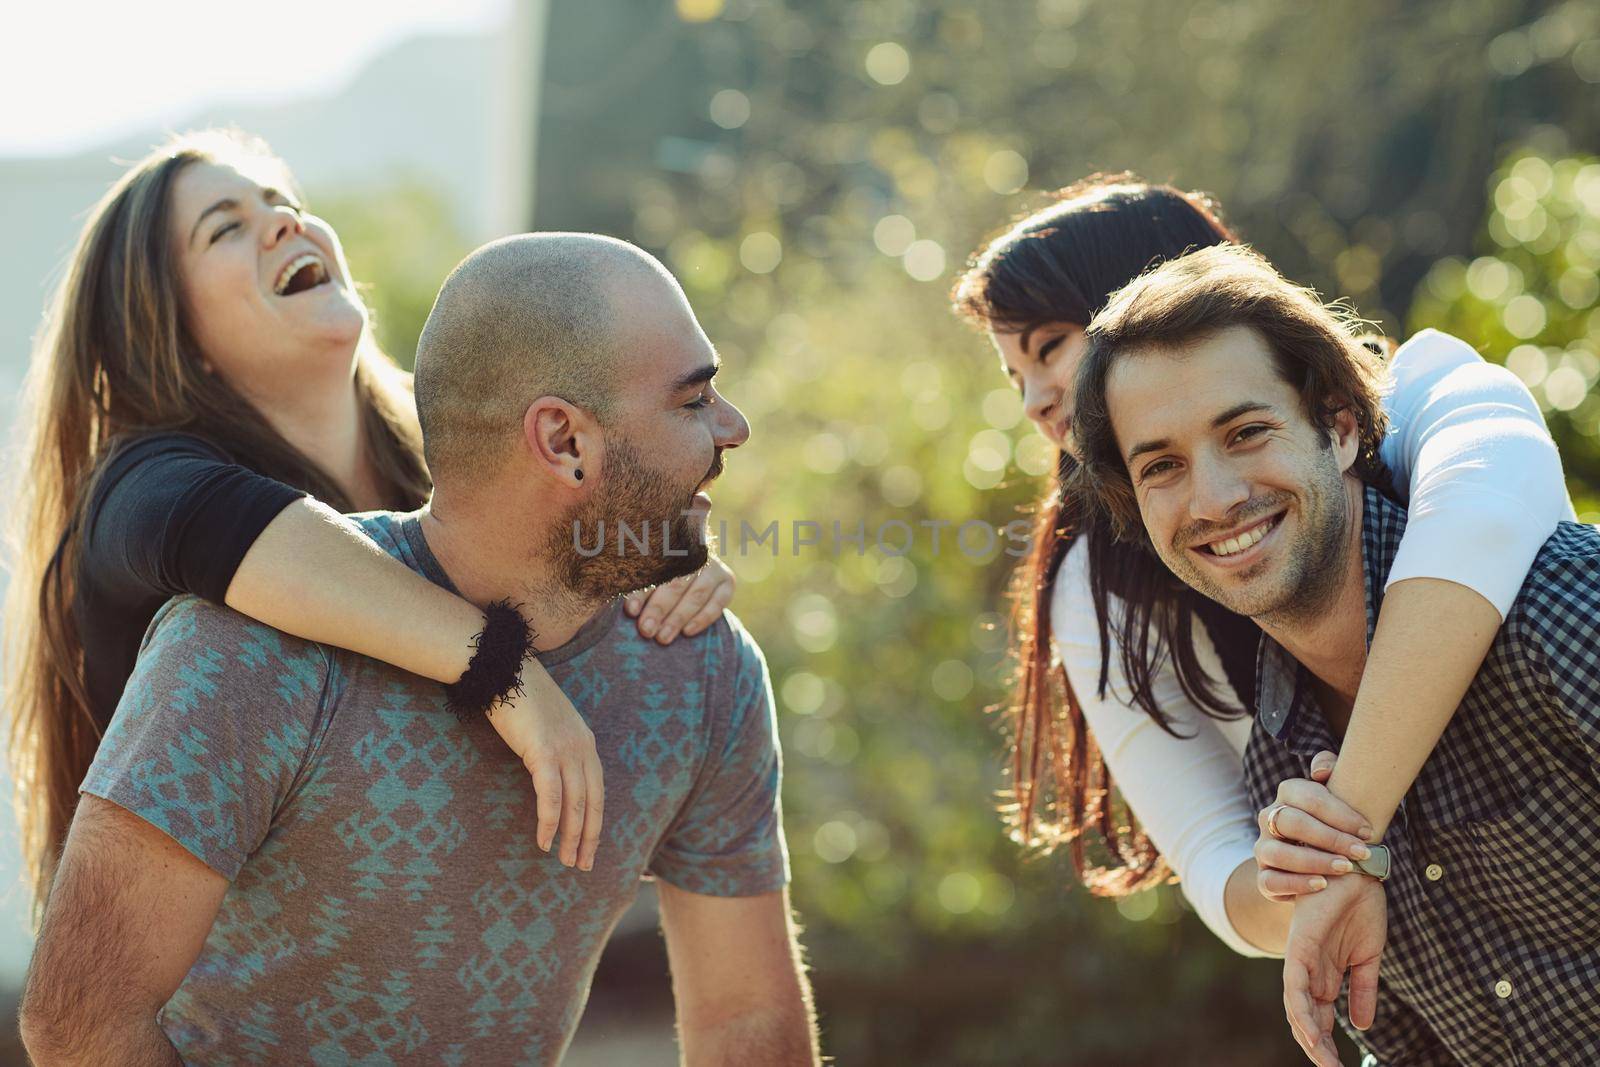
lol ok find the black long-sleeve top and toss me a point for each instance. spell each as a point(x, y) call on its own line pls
point(170, 513)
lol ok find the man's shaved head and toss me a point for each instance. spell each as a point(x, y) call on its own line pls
point(524, 317)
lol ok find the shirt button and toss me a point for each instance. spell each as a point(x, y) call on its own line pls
point(1502, 989)
point(1434, 872)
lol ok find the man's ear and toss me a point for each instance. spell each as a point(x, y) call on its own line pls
point(1345, 433)
point(563, 440)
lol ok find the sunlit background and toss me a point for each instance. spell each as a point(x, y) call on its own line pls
point(816, 175)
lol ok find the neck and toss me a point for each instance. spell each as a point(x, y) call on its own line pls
point(1330, 639)
point(486, 553)
point(326, 425)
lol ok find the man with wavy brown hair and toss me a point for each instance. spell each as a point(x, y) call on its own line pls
point(1229, 421)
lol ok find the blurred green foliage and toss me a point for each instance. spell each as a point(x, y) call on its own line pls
point(401, 238)
point(1531, 299)
point(838, 161)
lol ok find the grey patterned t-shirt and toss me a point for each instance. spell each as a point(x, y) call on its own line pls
point(388, 901)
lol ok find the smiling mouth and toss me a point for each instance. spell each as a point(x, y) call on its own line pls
point(303, 272)
point(1235, 544)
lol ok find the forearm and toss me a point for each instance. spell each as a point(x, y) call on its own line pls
point(1431, 638)
point(140, 1043)
point(772, 1040)
point(313, 574)
point(1262, 922)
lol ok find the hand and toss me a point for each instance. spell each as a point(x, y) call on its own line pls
point(1322, 834)
point(557, 747)
point(684, 605)
point(1342, 929)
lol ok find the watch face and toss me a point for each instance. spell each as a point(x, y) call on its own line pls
point(1377, 864)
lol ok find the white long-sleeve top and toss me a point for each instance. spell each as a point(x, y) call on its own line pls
point(1484, 481)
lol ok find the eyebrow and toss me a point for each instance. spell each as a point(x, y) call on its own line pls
point(228, 203)
point(1027, 336)
point(698, 376)
point(1242, 408)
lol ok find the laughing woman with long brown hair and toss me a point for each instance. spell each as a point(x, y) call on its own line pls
point(206, 398)
point(1130, 681)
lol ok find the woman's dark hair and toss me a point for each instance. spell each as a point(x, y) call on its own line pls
point(1061, 264)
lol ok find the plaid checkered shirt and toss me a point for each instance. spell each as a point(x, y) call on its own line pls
point(1493, 954)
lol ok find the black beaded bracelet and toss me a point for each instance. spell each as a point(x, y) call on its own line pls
point(495, 670)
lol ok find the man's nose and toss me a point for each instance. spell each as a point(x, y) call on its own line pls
point(732, 429)
point(1215, 490)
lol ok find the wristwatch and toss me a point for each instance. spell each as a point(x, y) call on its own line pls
point(1376, 864)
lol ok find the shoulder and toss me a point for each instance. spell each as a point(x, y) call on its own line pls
point(720, 668)
point(192, 640)
point(1433, 351)
point(726, 664)
point(1563, 583)
point(1070, 599)
point(148, 451)
point(745, 663)
point(134, 447)
point(138, 450)
point(1434, 365)
point(384, 528)
point(1074, 618)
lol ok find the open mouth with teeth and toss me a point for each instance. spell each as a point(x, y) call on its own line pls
point(303, 272)
point(1242, 542)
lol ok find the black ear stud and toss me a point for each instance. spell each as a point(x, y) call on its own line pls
point(578, 474)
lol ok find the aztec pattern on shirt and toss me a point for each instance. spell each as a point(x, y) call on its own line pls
point(388, 901)
point(1494, 898)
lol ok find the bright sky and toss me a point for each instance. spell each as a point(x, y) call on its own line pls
point(79, 71)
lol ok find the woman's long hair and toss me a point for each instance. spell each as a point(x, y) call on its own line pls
point(1060, 265)
point(114, 357)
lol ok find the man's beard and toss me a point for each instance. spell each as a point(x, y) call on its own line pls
point(1312, 565)
point(652, 508)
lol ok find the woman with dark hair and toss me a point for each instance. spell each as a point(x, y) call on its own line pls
point(206, 397)
point(1129, 680)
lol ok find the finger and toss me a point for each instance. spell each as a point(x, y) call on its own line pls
point(547, 791)
point(594, 777)
point(1284, 887)
point(1363, 994)
point(1306, 830)
point(1314, 799)
point(688, 606)
point(1322, 766)
point(721, 597)
point(658, 602)
point(1272, 854)
point(574, 804)
point(1297, 1006)
point(634, 601)
point(1328, 1053)
point(1324, 990)
point(1300, 1038)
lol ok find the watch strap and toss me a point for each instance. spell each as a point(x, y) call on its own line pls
point(1375, 865)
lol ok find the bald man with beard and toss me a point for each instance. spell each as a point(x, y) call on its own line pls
point(288, 853)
